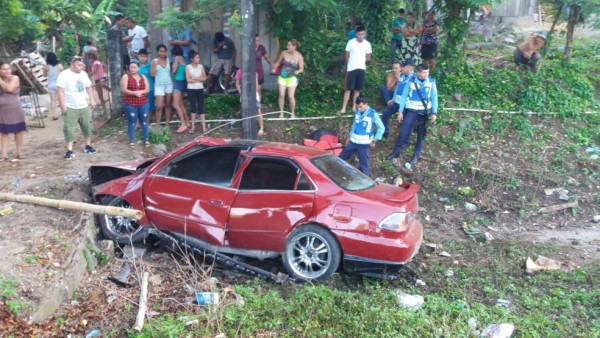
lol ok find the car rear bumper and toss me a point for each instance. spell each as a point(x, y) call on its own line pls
point(381, 250)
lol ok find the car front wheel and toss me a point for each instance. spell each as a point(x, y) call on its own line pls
point(312, 253)
point(120, 229)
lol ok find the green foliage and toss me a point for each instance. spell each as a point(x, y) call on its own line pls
point(552, 304)
point(160, 135)
point(8, 288)
point(8, 293)
point(224, 106)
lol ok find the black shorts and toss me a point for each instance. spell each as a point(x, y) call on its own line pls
point(355, 80)
point(126, 61)
point(429, 51)
point(261, 81)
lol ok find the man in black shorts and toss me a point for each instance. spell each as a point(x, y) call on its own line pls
point(358, 53)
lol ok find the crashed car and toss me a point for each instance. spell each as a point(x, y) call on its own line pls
point(262, 200)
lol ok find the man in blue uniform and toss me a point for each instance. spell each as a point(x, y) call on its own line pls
point(362, 135)
point(406, 76)
point(418, 104)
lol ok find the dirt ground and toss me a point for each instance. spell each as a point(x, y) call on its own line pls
point(36, 240)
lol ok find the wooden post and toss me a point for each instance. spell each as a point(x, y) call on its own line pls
point(247, 46)
point(115, 65)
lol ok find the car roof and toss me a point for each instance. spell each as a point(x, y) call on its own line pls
point(279, 148)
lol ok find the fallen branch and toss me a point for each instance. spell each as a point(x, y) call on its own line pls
point(141, 315)
point(557, 207)
point(70, 205)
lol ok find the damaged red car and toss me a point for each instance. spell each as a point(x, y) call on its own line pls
point(262, 200)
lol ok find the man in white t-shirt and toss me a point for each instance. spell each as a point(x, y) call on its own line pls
point(139, 36)
point(73, 88)
point(358, 53)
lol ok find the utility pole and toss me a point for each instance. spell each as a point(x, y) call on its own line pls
point(248, 86)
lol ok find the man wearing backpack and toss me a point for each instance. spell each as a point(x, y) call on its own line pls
point(418, 104)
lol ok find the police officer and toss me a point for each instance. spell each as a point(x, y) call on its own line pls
point(362, 134)
point(407, 74)
point(418, 104)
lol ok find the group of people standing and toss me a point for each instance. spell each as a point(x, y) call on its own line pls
point(417, 42)
point(413, 95)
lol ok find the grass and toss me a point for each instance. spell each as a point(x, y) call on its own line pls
point(549, 304)
point(8, 295)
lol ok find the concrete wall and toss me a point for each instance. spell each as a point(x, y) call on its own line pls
point(204, 34)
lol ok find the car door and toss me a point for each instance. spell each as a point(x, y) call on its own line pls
point(274, 194)
point(192, 194)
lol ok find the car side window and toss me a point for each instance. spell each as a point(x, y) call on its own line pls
point(215, 166)
point(304, 183)
point(269, 174)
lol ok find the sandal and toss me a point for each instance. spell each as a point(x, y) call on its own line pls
point(181, 129)
point(147, 143)
point(192, 131)
point(3, 159)
point(131, 145)
point(21, 157)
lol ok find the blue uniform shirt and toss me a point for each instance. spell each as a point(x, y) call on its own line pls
point(410, 98)
point(404, 79)
point(362, 127)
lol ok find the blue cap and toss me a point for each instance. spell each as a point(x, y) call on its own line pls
point(407, 62)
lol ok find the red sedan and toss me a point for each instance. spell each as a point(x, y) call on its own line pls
point(262, 200)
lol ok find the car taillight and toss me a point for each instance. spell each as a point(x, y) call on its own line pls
point(398, 222)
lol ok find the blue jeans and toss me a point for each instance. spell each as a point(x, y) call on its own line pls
point(386, 94)
point(411, 117)
point(394, 46)
point(135, 114)
point(363, 150)
point(385, 117)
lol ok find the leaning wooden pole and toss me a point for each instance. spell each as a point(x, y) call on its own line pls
point(70, 205)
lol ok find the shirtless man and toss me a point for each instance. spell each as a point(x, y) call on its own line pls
point(527, 52)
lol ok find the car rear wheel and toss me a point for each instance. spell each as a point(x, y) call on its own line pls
point(312, 253)
point(120, 229)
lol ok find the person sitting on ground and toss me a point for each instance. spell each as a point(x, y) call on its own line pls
point(528, 51)
point(238, 85)
point(391, 80)
point(407, 68)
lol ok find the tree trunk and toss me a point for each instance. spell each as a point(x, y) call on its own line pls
point(248, 94)
point(455, 20)
point(549, 38)
point(573, 18)
point(468, 33)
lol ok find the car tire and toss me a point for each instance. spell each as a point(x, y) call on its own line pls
point(120, 229)
point(311, 253)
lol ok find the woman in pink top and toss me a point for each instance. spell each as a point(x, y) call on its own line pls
point(98, 78)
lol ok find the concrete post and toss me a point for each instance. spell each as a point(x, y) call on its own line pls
point(247, 42)
point(115, 64)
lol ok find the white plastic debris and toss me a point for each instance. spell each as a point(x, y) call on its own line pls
point(412, 302)
point(444, 254)
point(449, 273)
point(420, 283)
point(504, 330)
point(503, 302)
point(470, 206)
point(448, 207)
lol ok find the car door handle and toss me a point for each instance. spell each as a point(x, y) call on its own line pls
point(216, 202)
point(342, 219)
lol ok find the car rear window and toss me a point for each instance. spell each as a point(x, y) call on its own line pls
point(343, 174)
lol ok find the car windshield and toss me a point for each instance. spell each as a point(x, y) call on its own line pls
point(343, 174)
